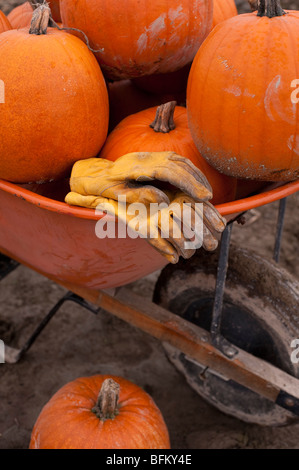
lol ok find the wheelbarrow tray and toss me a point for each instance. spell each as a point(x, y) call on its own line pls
point(59, 240)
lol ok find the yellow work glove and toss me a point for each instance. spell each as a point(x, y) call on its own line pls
point(131, 174)
point(165, 228)
point(213, 223)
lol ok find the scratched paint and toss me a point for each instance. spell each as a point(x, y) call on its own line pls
point(177, 14)
point(151, 32)
point(247, 93)
point(178, 18)
point(274, 102)
point(269, 95)
point(234, 90)
point(293, 143)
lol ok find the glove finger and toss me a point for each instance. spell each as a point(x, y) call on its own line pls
point(159, 160)
point(85, 174)
point(191, 227)
point(135, 193)
point(212, 218)
point(196, 172)
point(170, 226)
point(209, 243)
point(147, 228)
point(76, 199)
point(182, 177)
point(164, 166)
point(165, 248)
point(190, 214)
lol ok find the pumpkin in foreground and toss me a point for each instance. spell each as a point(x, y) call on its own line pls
point(239, 96)
point(100, 412)
point(56, 103)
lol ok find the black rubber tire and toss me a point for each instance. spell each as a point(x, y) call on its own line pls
point(260, 316)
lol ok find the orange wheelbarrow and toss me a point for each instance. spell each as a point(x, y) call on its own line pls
point(227, 320)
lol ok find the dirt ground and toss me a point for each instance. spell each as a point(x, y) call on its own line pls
point(78, 343)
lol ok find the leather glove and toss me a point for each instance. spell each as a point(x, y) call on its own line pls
point(212, 226)
point(131, 174)
point(88, 190)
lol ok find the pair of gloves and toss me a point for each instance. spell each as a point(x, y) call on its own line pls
point(146, 178)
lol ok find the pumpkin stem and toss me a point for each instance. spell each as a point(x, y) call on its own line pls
point(107, 403)
point(270, 8)
point(163, 121)
point(40, 19)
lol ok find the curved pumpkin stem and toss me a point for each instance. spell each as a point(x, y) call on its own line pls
point(270, 8)
point(107, 402)
point(40, 20)
point(164, 118)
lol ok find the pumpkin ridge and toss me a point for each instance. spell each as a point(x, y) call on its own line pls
point(205, 81)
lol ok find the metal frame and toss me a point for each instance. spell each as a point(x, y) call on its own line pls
point(217, 339)
point(8, 265)
point(209, 349)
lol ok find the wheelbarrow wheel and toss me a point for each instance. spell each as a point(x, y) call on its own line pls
point(260, 316)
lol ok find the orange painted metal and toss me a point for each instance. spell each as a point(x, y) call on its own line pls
point(59, 240)
point(258, 200)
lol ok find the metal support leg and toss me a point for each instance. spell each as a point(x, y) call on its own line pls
point(13, 355)
point(217, 339)
point(279, 229)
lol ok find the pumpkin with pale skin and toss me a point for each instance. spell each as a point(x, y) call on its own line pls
point(140, 38)
point(100, 412)
point(239, 96)
point(56, 103)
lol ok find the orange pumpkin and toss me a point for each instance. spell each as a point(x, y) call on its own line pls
point(4, 23)
point(141, 38)
point(239, 97)
point(163, 129)
point(223, 9)
point(100, 412)
point(20, 17)
point(56, 105)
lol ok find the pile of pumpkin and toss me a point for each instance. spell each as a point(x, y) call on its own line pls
point(105, 71)
point(116, 61)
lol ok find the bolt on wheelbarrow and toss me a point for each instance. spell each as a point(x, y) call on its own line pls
point(221, 325)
